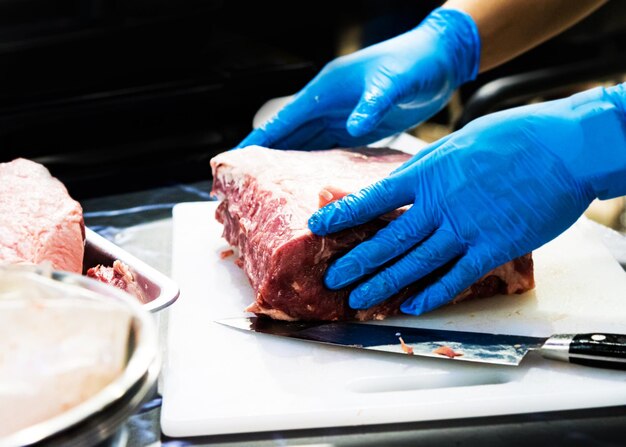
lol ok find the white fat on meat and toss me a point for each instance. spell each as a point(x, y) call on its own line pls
point(281, 173)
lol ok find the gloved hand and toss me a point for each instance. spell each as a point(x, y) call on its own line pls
point(498, 188)
point(380, 90)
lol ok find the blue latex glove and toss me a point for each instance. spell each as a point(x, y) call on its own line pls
point(498, 188)
point(380, 90)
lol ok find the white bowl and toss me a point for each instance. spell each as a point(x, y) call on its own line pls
point(101, 415)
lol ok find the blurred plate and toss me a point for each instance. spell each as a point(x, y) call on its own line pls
point(100, 416)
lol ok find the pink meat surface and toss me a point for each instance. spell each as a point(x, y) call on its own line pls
point(39, 221)
point(120, 276)
point(267, 198)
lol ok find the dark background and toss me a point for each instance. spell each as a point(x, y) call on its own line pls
point(120, 95)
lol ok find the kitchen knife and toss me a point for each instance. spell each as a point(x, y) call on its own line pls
point(593, 349)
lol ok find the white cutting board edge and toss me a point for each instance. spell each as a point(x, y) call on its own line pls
point(219, 381)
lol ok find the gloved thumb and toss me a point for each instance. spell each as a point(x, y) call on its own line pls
point(369, 112)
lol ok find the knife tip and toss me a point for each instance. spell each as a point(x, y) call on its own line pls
point(243, 323)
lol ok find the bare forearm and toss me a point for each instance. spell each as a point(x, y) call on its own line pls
point(508, 28)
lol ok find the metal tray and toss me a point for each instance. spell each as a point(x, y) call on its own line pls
point(160, 290)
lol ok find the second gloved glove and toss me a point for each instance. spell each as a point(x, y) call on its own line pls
point(500, 187)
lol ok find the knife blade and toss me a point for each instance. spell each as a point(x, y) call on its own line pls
point(592, 349)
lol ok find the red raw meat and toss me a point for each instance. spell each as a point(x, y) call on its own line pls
point(118, 276)
point(267, 197)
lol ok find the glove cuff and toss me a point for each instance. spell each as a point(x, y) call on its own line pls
point(601, 158)
point(614, 183)
point(617, 95)
point(460, 33)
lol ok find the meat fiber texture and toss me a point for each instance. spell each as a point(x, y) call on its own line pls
point(267, 197)
point(119, 275)
point(39, 221)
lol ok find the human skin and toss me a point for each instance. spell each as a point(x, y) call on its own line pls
point(508, 28)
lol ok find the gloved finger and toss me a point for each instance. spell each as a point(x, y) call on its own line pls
point(392, 241)
point(336, 127)
point(421, 154)
point(371, 109)
point(360, 207)
point(312, 135)
point(286, 121)
point(321, 133)
point(322, 140)
point(433, 253)
point(466, 271)
point(257, 137)
point(303, 138)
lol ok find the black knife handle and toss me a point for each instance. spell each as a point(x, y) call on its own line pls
point(598, 349)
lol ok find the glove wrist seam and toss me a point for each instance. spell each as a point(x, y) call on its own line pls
point(460, 34)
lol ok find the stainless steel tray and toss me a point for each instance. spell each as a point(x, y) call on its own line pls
point(160, 290)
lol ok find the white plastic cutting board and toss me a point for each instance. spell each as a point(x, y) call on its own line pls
point(218, 380)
